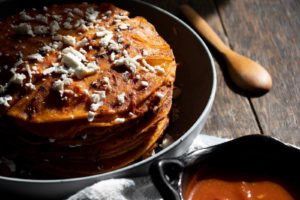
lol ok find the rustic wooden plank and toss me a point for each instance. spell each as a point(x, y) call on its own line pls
point(231, 115)
point(268, 31)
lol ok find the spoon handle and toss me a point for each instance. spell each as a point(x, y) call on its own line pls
point(203, 28)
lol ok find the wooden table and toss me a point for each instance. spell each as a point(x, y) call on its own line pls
point(267, 31)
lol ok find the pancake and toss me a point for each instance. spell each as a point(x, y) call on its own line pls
point(84, 89)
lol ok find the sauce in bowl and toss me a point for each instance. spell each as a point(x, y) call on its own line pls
point(236, 186)
point(216, 189)
point(253, 167)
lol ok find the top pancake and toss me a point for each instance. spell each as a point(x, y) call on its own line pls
point(77, 61)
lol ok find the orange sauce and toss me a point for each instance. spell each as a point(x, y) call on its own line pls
point(215, 184)
point(217, 189)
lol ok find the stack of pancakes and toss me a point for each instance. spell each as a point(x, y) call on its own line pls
point(84, 89)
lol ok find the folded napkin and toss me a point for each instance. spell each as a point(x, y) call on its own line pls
point(139, 188)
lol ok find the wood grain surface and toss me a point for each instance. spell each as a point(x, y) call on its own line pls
point(268, 32)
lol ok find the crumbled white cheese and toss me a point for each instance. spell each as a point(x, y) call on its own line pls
point(92, 67)
point(74, 52)
point(23, 29)
point(30, 86)
point(121, 98)
point(54, 27)
point(56, 45)
point(3, 88)
point(117, 21)
point(67, 25)
point(83, 27)
point(159, 95)
point(123, 26)
point(108, 13)
point(121, 17)
point(91, 14)
point(69, 40)
point(106, 82)
point(57, 37)
point(34, 68)
point(120, 39)
point(55, 69)
point(70, 14)
point(84, 137)
point(46, 49)
point(51, 140)
point(28, 71)
point(69, 19)
point(18, 78)
point(159, 70)
point(75, 146)
point(83, 42)
point(66, 10)
point(149, 67)
point(4, 100)
point(145, 52)
point(91, 116)
point(41, 18)
point(131, 114)
point(57, 17)
point(95, 98)
point(86, 92)
point(58, 86)
point(104, 41)
point(95, 106)
point(106, 79)
point(102, 32)
point(125, 53)
point(72, 59)
point(119, 120)
point(114, 46)
point(40, 30)
point(144, 83)
point(112, 56)
point(81, 50)
point(101, 93)
point(77, 11)
point(66, 80)
point(25, 17)
point(69, 92)
point(78, 23)
point(130, 63)
point(38, 57)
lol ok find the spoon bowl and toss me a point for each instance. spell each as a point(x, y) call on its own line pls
point(246, 73)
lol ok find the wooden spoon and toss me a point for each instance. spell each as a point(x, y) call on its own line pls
point(245, 73)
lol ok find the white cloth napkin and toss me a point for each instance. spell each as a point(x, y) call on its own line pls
point(140, 188)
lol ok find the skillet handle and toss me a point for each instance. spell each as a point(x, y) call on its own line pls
point(165, 175)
